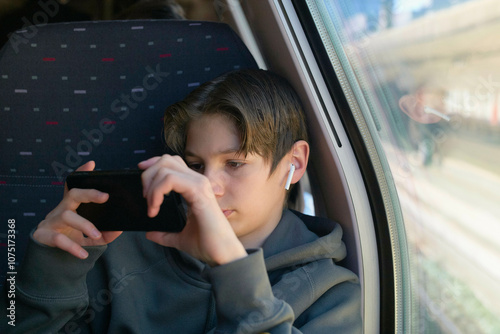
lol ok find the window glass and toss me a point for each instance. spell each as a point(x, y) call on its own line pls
point(425, 74)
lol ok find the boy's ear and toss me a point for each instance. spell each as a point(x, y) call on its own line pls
point(300, 157)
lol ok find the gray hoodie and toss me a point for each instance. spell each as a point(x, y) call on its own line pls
point(290, 285)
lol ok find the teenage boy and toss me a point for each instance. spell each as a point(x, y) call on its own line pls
point(242, 264)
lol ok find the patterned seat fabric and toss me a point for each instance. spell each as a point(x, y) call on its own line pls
point(82, 91)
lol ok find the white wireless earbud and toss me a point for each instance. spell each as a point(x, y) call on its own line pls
point(290, 175)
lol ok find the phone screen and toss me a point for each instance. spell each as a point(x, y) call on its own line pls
point(126, 208)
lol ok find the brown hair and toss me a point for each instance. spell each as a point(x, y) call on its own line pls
point(264, 107)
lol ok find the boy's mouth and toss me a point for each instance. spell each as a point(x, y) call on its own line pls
point(227, 212)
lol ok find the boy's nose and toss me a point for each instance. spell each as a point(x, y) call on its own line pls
point(216, 181)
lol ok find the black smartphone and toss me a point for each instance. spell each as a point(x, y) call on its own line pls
point(126, 208)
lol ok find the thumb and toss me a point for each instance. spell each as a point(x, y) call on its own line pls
point(87, 167)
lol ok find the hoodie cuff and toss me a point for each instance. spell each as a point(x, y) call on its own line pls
point(48, 271)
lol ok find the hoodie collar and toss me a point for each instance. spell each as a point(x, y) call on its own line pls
point(292, 243)
point(290, 232)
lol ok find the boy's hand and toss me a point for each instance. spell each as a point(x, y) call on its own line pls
point(65, 229)
point(207, 235)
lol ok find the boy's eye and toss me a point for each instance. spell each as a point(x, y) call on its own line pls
point(195, 166)
point(235, 164)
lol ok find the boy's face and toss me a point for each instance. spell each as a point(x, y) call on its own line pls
point(251, 199)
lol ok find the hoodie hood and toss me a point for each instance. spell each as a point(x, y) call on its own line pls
point(300, 255)
point(298, 241)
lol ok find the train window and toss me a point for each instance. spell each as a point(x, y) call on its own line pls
point(422, 80)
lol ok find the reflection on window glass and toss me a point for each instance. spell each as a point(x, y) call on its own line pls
point(427, 74)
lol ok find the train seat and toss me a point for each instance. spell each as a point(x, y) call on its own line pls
point(79, 91)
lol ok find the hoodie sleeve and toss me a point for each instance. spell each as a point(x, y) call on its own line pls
point(244, 299)
point(51, 288)
point(245, 303)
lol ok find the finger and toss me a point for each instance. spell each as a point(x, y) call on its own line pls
point(110, 236)
point(161, 170)
point(59, 240)
point(160, 186)
point(77, 222)
point(194, 188)
point(148, 163)
point(73, 198)
point(147, 177)
point(76, 196)
point(167, 174)
point(163, 186)
point(86, 167)
point(68, 223)
point(106, 238)
point(154, 165)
